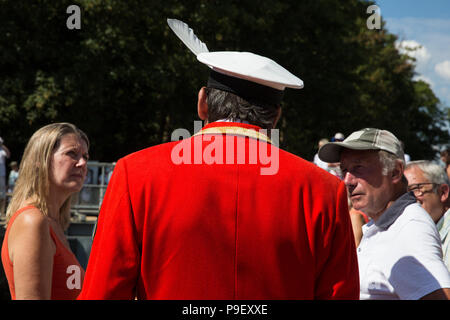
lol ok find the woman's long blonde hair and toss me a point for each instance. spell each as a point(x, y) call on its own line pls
point(33, 182)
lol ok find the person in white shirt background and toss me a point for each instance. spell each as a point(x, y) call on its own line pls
point(431, 187)
point(4, 154)
point(316, 160)
point(13, 175)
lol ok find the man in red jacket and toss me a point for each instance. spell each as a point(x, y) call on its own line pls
point(225, 214)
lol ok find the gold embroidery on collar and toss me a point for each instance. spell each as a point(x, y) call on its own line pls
point(236, 130)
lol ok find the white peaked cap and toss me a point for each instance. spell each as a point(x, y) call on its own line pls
point(251, 67)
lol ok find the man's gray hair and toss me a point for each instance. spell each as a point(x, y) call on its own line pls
point(388, 161)
point(432, 171)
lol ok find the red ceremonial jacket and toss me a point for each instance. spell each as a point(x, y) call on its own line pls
point(201, 219)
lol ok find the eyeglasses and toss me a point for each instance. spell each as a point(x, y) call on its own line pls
point(419, 189)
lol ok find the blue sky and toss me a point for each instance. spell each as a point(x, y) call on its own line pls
point(425, 25)
point(437, 9)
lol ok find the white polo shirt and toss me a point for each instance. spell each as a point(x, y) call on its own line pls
point(400, 256)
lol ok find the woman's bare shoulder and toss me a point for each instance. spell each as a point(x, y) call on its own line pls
point(30, 219)
point(30, 227)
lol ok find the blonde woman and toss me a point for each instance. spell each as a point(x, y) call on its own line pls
point(36, 255)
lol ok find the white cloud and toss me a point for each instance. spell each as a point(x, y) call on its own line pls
point(415, 50)
point(434, 35)
point(443, 69)
point(424, 79)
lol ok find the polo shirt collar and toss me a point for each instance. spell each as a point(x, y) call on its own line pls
point(395, 210)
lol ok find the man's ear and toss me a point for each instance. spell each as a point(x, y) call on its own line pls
point(444, 192)
point(202, 105)
point(397, 173)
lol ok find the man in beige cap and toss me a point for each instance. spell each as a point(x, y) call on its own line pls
point(400, 255)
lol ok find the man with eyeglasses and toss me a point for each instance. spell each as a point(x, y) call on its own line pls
point(431, 187)
point(399, 256)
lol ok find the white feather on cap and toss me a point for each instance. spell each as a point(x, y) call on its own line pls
point(187, 35)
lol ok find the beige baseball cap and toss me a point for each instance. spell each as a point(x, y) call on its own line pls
point(365, 139)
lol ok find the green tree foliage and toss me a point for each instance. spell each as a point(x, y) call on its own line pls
point(126, 80)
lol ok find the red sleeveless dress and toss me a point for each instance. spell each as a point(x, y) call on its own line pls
point(68, 275)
